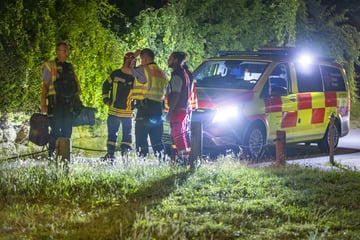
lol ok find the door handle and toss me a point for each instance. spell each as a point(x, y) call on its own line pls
point(293, 99)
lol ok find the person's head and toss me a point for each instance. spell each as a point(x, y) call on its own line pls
point(62, 51)
point(129, 58)
point(176, 60)
point(147, 56)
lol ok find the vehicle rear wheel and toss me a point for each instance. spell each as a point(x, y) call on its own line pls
point(254, 144)
point(324, 144)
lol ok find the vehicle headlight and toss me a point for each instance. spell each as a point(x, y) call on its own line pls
point(226, 114)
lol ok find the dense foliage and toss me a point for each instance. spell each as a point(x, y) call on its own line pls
point(166, 30)
point(30, 29)
point(243, 25)
point(325, 32)
point(29, 32)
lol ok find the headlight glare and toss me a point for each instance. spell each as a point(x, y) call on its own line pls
point(226, 114)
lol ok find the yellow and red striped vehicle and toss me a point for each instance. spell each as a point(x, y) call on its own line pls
point(244, 98)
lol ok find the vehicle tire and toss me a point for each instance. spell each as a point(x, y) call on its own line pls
point(323, 144)
point(254, 143)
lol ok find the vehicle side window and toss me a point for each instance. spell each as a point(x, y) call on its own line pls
point(280, 76)
point(333, 79)
point(308, 77)
point(210, 69)
point(278, 83)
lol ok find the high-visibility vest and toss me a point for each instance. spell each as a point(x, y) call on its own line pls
point(51, 67)
point(154, 87)
point(54, 68)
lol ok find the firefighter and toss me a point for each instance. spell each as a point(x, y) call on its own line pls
point(148, 93)
point(116, 93)
point(59, 90)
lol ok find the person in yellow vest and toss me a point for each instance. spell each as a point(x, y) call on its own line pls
point(148, 93)
point(59, 90)
point(116, 91)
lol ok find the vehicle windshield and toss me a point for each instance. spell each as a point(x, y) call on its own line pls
point(237, 74)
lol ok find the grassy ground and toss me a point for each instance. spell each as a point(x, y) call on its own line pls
point(141, 199)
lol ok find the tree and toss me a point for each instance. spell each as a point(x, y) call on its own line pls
point(24, 28)
point(165, 30)
point(95, 49)
point(29, 30)
point(323, 31)
point(28, 34)
point(243, 25)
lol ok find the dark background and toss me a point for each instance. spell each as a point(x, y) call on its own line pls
point(131, 8)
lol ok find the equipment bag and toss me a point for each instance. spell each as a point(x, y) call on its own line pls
point(39, 129)
point(86, 116)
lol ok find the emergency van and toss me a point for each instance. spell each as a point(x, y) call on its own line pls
point(244, 98)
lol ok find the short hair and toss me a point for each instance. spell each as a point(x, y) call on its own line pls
point(62, 44)
point(180, 56)
point(148, 52)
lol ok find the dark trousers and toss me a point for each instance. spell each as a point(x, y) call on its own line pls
point(148, 122)
point(60, 123)
point(113, 125)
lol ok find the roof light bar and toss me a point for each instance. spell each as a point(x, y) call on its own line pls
point(276, 51)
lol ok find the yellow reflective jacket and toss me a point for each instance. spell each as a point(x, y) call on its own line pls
point(51, 67)
point(154, 87)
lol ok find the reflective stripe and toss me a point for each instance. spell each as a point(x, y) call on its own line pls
point(139, 90)
point(51, 67)
point(122, 112)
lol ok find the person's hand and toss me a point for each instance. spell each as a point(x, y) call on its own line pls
point(133, 63)
point(137, 53)
point(44, 109)
point(167, 116)
point(107, 101)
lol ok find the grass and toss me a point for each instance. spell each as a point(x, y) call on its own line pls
point(142, 199)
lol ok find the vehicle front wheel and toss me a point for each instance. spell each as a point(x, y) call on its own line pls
point(254, 144)
point(324, 144)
